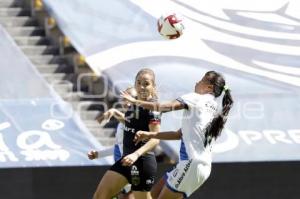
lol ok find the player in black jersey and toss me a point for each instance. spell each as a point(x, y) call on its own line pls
point(138, 165)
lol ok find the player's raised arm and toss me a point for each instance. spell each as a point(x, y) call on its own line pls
point(155, 106)
point(150, 144)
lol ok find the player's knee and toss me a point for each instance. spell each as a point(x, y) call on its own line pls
point(154, 195)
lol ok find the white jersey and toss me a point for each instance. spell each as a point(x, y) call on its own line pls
point(118, 148)
point(199, 112)
point(194, 166)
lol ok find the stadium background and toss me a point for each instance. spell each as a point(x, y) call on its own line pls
point(64, 61)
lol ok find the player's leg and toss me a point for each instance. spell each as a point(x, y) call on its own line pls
point(128, 195)
point(146, 168)
point(175, 182)
point(167, 193)
point(156, 189)
point(142, 195)
point(110, 185)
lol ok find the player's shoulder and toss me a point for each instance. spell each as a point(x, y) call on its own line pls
point(189, 95)
point(195, 97)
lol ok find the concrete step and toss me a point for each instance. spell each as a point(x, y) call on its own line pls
point(89, 115)
point(31, 40)
point(92, 124)
point(55, 68)
point(89, 105)
point(72, 96)
point(62, 89)
point(84, 96)
point(18, 21)
point(39, 50)
point(46, 59)
point(88, 95)
point(56, 78)
point(10, 3)
point(26, 31)
point(11, 12)
point(102, 132)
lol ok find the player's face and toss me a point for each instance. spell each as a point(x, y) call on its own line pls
point(144, 87)
point(203, 87)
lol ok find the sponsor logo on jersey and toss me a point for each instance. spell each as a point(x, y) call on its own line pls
point(210, 107)
point(175, 172)
point(128, 129)
point(186, 168)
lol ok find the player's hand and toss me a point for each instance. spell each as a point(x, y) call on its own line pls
point(105, 117)
point(127, 97)
point(141, 136)
point(130, 159)
point(93, 155)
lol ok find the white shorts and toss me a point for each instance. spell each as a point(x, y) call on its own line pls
point(187, 176)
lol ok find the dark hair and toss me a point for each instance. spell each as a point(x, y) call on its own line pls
point(214, 129)
point(151, 73)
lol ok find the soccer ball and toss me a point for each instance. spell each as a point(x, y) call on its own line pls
point(170, 26)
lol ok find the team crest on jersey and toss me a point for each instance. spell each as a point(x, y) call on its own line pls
point(134, 170)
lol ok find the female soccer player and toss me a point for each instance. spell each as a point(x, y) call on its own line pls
point(117, 149)
point(138, 164)
point(201, 124)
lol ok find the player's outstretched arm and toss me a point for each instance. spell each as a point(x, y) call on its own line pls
point(154, 106)
point(93, 154)
point(167, 135)
point(131, 158)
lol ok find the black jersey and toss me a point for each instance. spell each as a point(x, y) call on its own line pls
point(137, 119)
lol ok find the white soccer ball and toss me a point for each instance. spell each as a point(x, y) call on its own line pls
point(170, 26)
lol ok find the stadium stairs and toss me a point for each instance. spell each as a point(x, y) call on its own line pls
point(42, 48)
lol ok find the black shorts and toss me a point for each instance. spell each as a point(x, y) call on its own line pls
point(141, 174)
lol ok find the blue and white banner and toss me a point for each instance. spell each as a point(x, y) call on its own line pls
point(37, 128)
point(39, 133)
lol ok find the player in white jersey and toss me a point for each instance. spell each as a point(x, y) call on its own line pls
point(117, 149)
point(201, 124)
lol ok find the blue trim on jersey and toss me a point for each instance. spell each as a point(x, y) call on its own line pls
point(183, 154)
point(117, 153)
point(176, 191)
point(165, 177)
